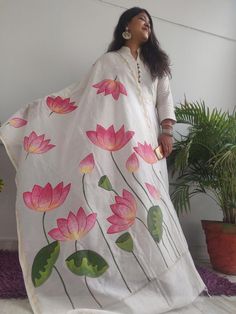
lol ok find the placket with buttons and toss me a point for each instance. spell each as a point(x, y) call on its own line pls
point(141, 98)
point(139, 73)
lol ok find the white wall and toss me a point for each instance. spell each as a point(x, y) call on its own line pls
point(48, 44)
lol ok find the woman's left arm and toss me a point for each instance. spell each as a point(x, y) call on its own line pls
point(166, 113)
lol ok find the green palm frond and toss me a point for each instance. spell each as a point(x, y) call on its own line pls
point(226, 158)
point(180, 197)
point(205, 159)
point(200, 116)
point(197, 114)
point(1, 185)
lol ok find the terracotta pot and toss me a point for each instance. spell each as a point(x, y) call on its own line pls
point(221, 245)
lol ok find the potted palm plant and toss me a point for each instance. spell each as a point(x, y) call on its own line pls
point(204, 160)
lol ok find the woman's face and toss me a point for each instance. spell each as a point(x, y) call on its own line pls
point(139, 27)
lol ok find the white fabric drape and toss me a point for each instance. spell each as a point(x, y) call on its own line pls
point(97, 230)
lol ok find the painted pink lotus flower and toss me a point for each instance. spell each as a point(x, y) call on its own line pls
point(155, 193)
point(60, 105)
point(132, 163)
point(146, 152)
point(35, 144)
point(87, 164)
point(17, 122)
point(46, 198)
point(74, 227)
point(108, 139)
point(113, 87)
point(124, 211)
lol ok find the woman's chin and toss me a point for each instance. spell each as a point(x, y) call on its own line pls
point(144, 38)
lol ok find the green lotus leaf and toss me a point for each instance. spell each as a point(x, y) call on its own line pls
point(105, 183)
point(87, 263)
point(154, 222)
point(125, 242)
point(44, 262)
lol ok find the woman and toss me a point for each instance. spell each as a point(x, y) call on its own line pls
point(139, 33)
point(90, 183)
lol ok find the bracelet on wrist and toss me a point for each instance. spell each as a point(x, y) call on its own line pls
point(167, 132)
point(167, 126)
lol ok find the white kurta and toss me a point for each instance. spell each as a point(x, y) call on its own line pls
point(96, 226)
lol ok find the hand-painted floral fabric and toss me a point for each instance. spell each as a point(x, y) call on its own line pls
point(97, 230)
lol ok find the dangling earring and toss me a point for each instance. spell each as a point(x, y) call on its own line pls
point(126, 35)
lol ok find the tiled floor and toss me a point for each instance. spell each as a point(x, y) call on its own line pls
point(202, 305)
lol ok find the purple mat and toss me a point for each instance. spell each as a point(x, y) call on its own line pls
point(216, 285)
point(12, 284)
point(11, 279)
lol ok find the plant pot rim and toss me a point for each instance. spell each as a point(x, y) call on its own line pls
point(216, 222)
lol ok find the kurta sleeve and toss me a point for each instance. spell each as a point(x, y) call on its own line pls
point(165, 104)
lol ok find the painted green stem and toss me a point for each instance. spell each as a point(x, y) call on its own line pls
point(162, 184)
point(154, 241)
point(171, 241)
point(113, 257)
point(142, 188)
point(64, 286)
point(86, 282)
point(173, 219)
point(126, 180)
point(44, 231)
point(62, 281)
point(167, 194)
point(141, 267)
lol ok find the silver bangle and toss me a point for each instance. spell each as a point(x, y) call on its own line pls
point(168, 132)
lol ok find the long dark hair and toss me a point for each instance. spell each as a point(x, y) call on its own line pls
point(151, 53)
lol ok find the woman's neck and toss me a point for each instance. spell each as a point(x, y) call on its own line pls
point(133, 48)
